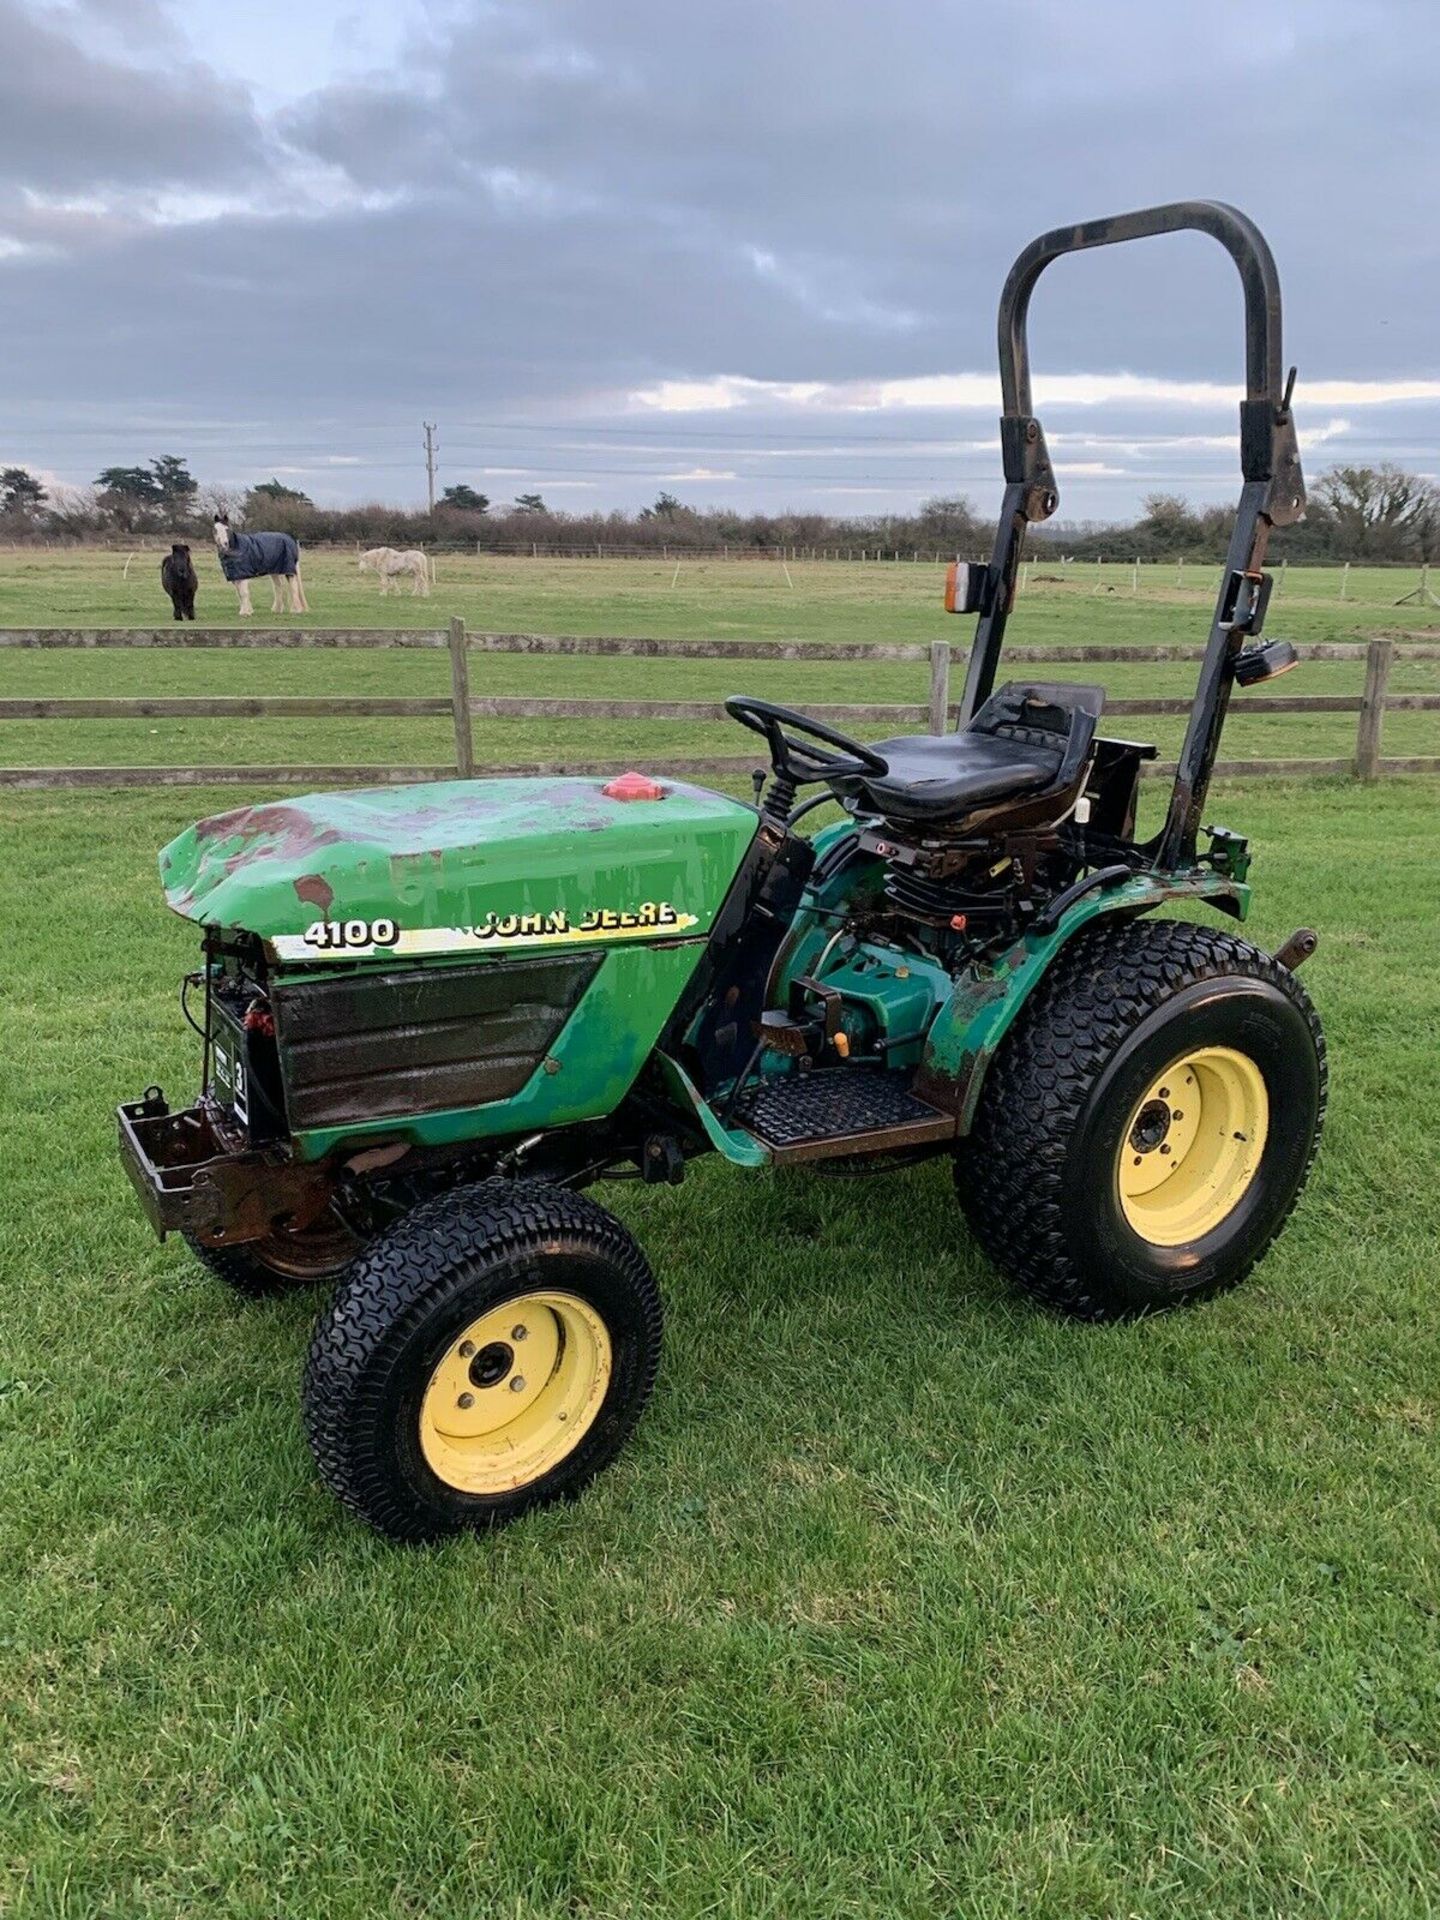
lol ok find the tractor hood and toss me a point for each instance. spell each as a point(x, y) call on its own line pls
point(463, 867)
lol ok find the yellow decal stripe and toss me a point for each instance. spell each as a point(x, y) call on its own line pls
point(416, 942)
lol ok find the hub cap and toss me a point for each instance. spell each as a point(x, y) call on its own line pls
point(1192, 1146)
point(515, 1392)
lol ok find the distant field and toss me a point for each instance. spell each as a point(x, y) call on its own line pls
point(750, 599)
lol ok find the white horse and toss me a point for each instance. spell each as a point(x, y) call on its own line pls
point(261, 556)
point(392, 567)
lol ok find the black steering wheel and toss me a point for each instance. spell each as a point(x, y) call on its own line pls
point(802, 761)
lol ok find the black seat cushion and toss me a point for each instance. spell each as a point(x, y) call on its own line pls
point(934, 775)
point(1028, 738)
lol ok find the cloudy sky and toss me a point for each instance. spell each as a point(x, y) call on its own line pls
point(746, 252)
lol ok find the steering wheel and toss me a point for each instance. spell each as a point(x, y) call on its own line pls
point(803, 760)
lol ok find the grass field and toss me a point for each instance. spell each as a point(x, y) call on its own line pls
point(713, 600)
point(906, 1600)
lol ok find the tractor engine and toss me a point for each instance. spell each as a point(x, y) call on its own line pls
point(959, 894)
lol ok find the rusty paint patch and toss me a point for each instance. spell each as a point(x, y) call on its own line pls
point(315, 890)
point(292, 828)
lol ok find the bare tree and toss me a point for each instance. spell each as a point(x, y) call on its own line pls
point(73, 512)
point(1380, 513)
point(216, 500)
point(950, 523)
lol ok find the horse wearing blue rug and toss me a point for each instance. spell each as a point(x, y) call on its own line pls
point(261, 556)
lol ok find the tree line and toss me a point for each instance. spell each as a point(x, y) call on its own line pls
point(1359, 513)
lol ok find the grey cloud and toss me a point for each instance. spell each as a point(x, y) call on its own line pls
point(75, 119)
point(905, 150)
point(551, 201)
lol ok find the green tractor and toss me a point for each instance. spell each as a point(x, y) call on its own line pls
point(432, 1017)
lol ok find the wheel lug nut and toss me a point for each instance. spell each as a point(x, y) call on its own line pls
point(517, 1385)
point(519, 1333)
point(467, 1347)
point(466, 1400)
point(1164, 1149)
point(1177, 1114)
point(1164, 1093)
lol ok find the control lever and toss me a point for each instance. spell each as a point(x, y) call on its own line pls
point(792, 1034)
point(830, 999)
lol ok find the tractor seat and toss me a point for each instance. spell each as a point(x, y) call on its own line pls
point(1027, 743)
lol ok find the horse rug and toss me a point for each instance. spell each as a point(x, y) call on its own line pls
point(254, 556)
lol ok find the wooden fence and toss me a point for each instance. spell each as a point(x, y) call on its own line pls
point(463, 707)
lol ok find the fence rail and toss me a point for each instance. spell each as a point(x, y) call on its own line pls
point(463, 707)
point(1045, 553)
point(1408, 646)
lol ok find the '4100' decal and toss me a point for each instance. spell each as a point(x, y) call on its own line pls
point(349, 934)
point(326, 939)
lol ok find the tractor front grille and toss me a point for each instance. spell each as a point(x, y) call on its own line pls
point(374, 1046)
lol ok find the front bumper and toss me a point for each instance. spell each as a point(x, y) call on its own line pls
point(190, 1181)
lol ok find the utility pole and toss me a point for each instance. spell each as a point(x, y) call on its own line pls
point(429, 427)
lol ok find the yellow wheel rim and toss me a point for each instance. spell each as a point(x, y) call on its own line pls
point(515, 1392)
point(1193, 1145)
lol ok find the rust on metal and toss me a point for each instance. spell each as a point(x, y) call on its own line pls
point(190, 1179)
point(315, 890)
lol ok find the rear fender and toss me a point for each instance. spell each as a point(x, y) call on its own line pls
point(969, 1028)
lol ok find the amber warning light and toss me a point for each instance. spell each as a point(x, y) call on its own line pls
point(964, 587)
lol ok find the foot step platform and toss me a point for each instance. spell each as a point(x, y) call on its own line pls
point(809, 1116)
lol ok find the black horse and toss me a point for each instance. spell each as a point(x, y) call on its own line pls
point(178, 578)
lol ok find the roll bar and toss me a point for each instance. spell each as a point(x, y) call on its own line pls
point(1273, 493)
point(1235, 231)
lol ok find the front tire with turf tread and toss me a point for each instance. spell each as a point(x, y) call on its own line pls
point(1035, 1175)
point(377, 1345)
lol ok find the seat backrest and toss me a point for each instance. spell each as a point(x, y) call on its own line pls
point(1041, 708)
point(1040, 713)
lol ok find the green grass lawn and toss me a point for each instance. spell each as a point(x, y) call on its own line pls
point(906, 1600)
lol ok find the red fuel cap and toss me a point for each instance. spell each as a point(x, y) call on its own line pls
point(633, 786)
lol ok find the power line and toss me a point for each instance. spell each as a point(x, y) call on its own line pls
point(654, 441)
point(640, 430)
point(951, 477)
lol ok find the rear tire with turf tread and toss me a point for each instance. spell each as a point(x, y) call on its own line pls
point(377, 1347)
point(1037, 1176)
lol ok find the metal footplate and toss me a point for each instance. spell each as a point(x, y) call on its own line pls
point(839, 1111)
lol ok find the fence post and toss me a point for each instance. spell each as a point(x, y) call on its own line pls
point(939, 686)
point(1378, 658)
point(1344, 579)
point(460, 700)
